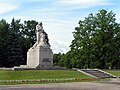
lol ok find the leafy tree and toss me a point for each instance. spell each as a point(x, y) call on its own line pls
point(67, 60)
point(28, 32)
point(60, 59)
point(56, 58)
point(95, 43)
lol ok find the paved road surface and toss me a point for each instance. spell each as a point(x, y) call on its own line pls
point(114, 84)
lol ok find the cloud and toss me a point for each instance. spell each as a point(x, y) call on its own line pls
point(58, 46)
point(59, 33)
point(83, 3)
point(5, 7)
point(116, 11)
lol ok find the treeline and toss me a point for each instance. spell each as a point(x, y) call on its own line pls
point(96, 43)
point(15, 40)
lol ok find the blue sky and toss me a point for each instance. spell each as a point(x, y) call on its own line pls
point(59, 17)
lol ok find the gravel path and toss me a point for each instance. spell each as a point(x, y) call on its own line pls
point(114, 84)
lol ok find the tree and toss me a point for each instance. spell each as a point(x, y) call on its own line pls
point(13, 49)
point(56, 58)
point(28, 32)
point(15, 40)
point(96, 40)
point(3, 34)
point(61, 60)
point(28, 37)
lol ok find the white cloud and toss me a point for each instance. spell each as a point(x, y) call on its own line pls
point(83, 3)
point(5, 7)
point(115, 10)
point(59, 33)
point(58, 46)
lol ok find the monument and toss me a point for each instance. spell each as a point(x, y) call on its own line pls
point(40, 55)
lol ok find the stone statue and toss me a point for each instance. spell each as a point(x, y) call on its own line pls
point(42, 39)
point(41, 35)
point(39, 30)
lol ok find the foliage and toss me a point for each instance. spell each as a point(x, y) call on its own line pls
point(13, 50)
point(56, 58)
point(3, 34)
point(15, 39)
point(96, 41)
point(28, 37)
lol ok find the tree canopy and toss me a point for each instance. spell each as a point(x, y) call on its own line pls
point(96, 43)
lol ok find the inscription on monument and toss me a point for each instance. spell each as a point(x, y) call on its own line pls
point(46, 60)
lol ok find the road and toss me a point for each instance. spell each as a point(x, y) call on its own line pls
point(114, 84)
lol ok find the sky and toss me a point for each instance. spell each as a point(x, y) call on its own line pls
point(59, 17)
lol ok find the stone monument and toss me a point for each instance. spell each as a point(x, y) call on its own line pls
point(40, 55)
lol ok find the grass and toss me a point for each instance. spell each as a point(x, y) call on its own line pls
point(40, 74)
point(114, 72)
point(50, 76)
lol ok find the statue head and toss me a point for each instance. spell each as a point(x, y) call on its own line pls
point(40, 23)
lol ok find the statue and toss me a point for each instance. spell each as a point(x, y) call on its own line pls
point(42, 39)
point(39, 30)
point(41, 35)
point(40, 55)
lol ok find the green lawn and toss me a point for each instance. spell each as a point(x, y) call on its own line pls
point(114, 72)
point(40, 74)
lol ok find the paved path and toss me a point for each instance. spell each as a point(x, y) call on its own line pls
point(114, 84)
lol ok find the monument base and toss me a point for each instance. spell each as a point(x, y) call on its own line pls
point(39, 57)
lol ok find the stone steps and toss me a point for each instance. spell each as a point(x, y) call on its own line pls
point(98, 73)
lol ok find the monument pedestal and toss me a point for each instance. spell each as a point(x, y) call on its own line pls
point(40, 57)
